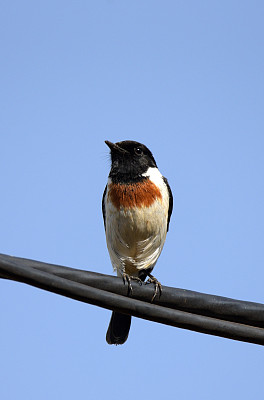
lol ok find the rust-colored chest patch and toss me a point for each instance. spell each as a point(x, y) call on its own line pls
point(141, 194)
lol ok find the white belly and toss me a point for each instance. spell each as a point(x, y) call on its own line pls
point(135, 236)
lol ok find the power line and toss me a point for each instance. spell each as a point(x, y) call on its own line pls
point(215, 315)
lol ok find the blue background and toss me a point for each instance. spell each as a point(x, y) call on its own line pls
point(186, 79)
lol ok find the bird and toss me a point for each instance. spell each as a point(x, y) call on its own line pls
point(137, 206)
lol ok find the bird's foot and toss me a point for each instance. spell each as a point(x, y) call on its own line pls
point(158, 287)
point(136, 279)
point(128, 278)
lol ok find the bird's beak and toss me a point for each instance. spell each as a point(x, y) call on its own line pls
point(115, 147)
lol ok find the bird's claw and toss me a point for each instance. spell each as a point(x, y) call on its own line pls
point(127, 278)
point(157, 284)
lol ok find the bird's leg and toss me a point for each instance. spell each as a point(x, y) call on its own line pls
point(128, 278)
point(157, 284)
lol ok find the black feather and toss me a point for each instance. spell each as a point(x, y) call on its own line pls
point(118, 329)
point(170, 201)
point(103, 204)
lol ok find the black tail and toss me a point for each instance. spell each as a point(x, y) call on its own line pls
point(118, 329)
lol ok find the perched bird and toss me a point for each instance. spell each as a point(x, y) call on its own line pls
point(137, 206)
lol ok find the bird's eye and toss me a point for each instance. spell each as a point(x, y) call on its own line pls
point(138, 151)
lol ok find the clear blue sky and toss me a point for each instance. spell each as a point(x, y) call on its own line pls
point(186, 79)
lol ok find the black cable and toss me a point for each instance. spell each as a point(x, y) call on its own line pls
point(243, 312)
point(78, 291)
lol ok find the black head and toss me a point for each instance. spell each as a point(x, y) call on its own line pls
point(129, 161)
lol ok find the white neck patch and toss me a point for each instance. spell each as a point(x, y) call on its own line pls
point(154, 175)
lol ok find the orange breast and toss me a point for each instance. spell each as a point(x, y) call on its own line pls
point(141, 194)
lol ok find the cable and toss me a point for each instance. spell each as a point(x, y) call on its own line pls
point(35, 273)
point(244, 312)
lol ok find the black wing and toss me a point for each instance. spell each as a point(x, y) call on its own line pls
point(103, 204)
point(170, 201)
